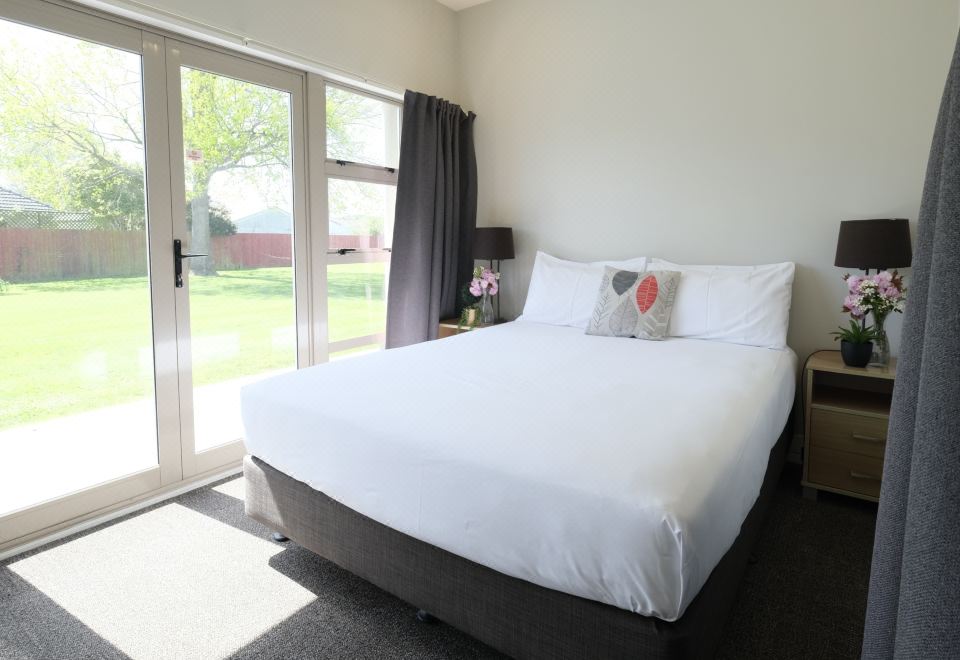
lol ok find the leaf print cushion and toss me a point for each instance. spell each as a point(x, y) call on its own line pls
point(634, 304)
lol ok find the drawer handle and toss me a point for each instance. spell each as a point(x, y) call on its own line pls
point(867, 438)
point(862, 475)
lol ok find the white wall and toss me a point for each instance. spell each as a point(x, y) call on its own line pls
point(701, 131)
point(397, 43)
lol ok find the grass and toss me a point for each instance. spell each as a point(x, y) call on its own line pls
point(77, 345)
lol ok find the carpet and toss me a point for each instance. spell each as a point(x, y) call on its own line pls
point(193, 577)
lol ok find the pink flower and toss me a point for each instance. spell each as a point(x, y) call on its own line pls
point(851, 304)
point(853, 282)
point(484, 281)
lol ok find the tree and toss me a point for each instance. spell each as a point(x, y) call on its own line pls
point(71, 127)
point(228, 125)
point(112, 192)
point(71, 130)
point(220, 222)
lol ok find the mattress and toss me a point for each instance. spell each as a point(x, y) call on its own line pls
point(613, 469)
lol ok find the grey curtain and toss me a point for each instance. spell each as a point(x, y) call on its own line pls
point(914, 603)
point(436, 215)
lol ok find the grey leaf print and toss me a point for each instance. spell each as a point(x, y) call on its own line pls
point(623, 320)
point(599, 310)
point(623, 280)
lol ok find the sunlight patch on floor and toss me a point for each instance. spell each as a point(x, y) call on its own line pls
point(169, 583)
point(233, 488)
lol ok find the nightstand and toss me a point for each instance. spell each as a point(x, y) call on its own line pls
point(449, 328)
point(846, 411)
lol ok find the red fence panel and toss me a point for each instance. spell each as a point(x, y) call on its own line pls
point(252, 251)
point(38, 255)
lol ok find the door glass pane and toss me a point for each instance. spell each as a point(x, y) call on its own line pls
point(361, 219)
point(77, 401)
point(361, 129)
point(239, 189)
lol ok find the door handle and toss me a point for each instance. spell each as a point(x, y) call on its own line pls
point(178, 257)
point(860, 475)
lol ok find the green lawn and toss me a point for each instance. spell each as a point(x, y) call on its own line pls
point(77, 345)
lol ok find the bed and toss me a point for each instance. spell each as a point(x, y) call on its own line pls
point(551, 493)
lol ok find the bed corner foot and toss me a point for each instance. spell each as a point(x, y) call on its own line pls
point(278, 537)
point(424, 616)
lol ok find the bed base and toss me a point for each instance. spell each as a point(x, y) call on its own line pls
point(516, 617)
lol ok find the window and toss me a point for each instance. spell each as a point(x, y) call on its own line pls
point(122, 148)
point(362, 129)
point(363, 146)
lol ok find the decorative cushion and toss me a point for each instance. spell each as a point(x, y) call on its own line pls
point(631, 304)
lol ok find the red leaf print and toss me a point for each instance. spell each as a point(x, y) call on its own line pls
point(647, 293)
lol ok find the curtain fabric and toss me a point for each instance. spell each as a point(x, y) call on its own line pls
point(914, 604)
point(436, 215)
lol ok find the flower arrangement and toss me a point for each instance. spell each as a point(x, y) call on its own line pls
point(484, 281)
point(475, 297)
point(877, 294)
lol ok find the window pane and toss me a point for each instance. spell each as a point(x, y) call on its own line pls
point(361, 214)
point(357, 299)
point(361, 129)
point(239, 187)
point(76, 374)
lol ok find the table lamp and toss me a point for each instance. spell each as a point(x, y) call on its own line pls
point(878, 243)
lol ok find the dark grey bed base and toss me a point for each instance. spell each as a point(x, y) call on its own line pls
point(516, 617)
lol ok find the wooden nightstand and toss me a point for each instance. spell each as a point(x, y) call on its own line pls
point(846, 411)
point(449, 328)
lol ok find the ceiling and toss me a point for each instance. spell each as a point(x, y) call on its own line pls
point(457, 5)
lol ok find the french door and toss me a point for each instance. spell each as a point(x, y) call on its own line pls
point(123, 153)
point(237, 157)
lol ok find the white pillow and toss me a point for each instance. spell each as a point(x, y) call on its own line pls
point(737, 304)
point(565, 292)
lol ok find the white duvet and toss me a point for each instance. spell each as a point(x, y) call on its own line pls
point(614, 469)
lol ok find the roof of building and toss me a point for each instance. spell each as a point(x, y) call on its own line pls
point(277, 221)
point(10, 200)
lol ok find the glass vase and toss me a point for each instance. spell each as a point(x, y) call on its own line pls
point(881, 345)
point(487, 316)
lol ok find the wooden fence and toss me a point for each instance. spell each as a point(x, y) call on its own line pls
point(40, 255)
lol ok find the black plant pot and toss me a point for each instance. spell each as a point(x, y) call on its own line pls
point(856, 355)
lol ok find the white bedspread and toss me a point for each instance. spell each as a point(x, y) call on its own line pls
point(618, 470)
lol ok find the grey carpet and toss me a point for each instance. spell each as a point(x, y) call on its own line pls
point(804, 597)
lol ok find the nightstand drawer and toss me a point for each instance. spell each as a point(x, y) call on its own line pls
point(848, 432)
point(846, 471)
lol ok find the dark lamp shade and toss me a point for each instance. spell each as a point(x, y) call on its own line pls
point(493, 243)
point(881, 243)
